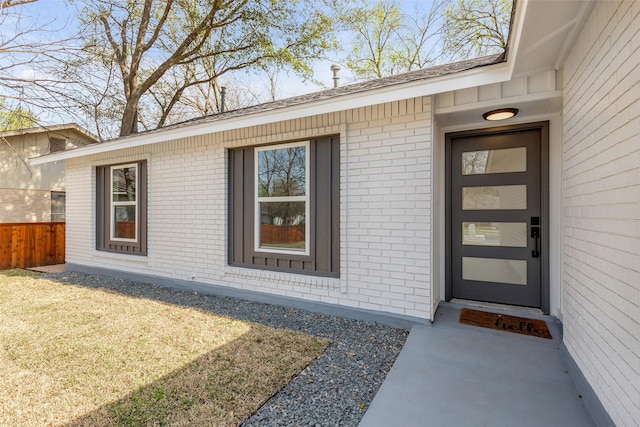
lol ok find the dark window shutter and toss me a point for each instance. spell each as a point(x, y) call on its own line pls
point(324, 254)
point(103, 213)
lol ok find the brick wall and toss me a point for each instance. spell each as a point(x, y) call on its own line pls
point(384, 209)
point(601, 197)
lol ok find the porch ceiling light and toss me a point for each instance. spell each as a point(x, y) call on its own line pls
point(500, 114)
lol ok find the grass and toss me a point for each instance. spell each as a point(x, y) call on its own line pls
point(76, 356)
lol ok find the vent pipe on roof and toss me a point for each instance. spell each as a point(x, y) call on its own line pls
point(223, 91)
point(335, 68)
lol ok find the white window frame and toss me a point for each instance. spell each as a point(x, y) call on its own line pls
point(306, 199)
point(113, 204)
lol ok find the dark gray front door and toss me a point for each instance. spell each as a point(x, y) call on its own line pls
point(497, 225)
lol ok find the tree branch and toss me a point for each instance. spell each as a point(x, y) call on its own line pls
point(4, 4)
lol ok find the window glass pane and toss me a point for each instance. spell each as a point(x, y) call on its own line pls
point(124, 222)
point(494, 161)
point(58, 206)
point(512, 234)
point(509, 271)
point(282, 172)
point(124, 184)
point(497, 197)
point(282, 225)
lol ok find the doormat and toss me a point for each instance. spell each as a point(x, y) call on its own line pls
point(503, 322)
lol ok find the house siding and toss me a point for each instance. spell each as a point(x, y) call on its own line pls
point(16, 174)
point(601, 205)
point(25, 205)
point(385, 209)
point(25, 191)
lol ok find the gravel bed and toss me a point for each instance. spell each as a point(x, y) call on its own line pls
point(334, 390)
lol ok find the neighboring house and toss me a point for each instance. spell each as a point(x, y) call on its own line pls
point(31, 193)
point(393, 195)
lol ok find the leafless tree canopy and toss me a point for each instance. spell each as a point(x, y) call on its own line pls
point(29, 46)
point(389, 39)
point(475, 28)
point(148, 60)
point(140, 64)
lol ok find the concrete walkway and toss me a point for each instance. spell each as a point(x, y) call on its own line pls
point(450, 374)
point(57, 268)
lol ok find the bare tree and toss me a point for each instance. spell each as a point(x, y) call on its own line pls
point(376, 30)
point(388, 41)
point(477, 27)
point(28, 47)
point(162, 49)
point(420, 44)
point(5, 4)
point(190, 89)
point(149, 63)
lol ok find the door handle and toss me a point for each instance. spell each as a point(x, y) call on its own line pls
point(535, 234)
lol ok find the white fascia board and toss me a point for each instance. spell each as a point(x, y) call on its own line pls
point(475, 77)
point(515, 35)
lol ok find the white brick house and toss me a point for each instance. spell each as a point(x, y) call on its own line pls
point(419, 194)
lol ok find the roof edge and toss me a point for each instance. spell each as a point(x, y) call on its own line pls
point(52, 128)
point(494, 69)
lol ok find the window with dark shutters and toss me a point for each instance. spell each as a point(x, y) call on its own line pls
point(121, 208)
point(284, 207)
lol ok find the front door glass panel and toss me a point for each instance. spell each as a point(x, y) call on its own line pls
point(494, 161)
point(508, 271)
point(497, 197)
point(509, 234)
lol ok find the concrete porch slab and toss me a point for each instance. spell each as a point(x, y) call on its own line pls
point(450, 374)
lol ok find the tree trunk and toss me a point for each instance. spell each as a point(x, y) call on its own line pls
point(130, 117)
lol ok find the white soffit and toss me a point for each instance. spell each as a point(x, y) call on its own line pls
point(548, 33)
point(530, 107)
point(542, 43)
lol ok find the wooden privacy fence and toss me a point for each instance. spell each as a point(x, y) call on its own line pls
point(282, 234)
point(31, 244)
